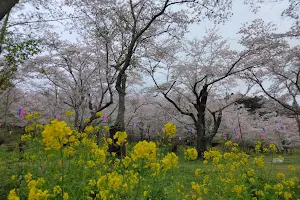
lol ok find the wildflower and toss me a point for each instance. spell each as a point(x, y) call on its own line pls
point(13, 177)
point(280, 176)
point(36, 115)
point(126, 161)
point(265, 150)
point(55, 133)
point(170, 129)
point(13, 195)
point(251, 180)
point(92, 182)
point(86, 120)
point(99, 114)
point(25, 137)
point(68, 113)
point(257, 146)
point(287, 195)
point(121, 136)
point(106, 128)
point(28, 117)
point(65, 196)
point(292, 168)
point(169, 161)
point(190, 154)
point(238, 189)
point(72, 138)
point(57, 190)
point(259, 161)
point(89, 129)
point(28, 177)
point(273, 147)
point(198, 172)
point(228, 143)
point(267, 186)
point(109, 140)
point(250, 172)
point(260, 193)
point(278, 188)
point(144, 149)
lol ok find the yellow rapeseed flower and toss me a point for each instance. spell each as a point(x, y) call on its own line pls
point(68, 113)
point(28, 116)
point(25, 137)
point(57, 190)
point(99, 114)
point(170, 129)
point(65, 196)
point(13, 195)
point(273, 147)
point(55, 133)
point(144, 149)
point(190, 154)
point(287, 195)
point(89, 129)
point(170, 161)
point(292, 168)
point(121, 136)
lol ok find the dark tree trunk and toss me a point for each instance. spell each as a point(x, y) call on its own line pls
point(298, 123)
point(200, 124)
point(5, 6)
point(217, 122)
point(120, 124)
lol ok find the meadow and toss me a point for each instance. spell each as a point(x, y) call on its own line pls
point(58, 162)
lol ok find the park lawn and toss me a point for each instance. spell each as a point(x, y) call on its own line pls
point(186, 169)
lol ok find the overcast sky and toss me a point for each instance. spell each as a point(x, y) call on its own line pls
point(241, 14)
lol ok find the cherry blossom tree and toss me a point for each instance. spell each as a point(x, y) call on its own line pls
point(279, 77)
point(132, 26)
point(82, 78)
point(208, 66)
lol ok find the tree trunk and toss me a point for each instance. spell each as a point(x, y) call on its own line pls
point(200, 124)
point(76, 119)
point(201, 141)
point(5, 6)
point(298, 123)
point(120, 122)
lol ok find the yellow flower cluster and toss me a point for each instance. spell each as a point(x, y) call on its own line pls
point(144, 149)
point(121, 136)
point(99, 114)
point(170, 129)
point(259, 161)
point(89, 129)
point(68, 113)
point(34, 192)
point(13, 195)
point(257, 146)
point(169, 161)
point(190, 154)
point(105, 128)
point(25, 137)
point(273, 147)
point(55, 134)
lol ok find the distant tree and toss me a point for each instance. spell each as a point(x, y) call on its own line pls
point(208, 65)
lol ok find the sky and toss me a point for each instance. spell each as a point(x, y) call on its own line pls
point(242, 14)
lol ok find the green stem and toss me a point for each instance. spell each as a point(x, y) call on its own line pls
point(139, 183)
point(271, 164)
point(62, 172)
